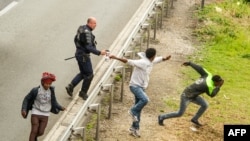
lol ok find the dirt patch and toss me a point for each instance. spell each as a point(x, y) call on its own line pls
point(165, 84)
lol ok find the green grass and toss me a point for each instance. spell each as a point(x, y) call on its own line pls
point(173, 104)
point(225, 37)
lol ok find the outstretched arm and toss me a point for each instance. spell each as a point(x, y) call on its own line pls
point(93, 50)
point(160, 59)
point(117, 58)
point(198, 68)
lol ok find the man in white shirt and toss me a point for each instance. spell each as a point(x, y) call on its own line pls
point(139, 82)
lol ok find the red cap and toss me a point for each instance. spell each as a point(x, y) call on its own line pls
point(48, 77)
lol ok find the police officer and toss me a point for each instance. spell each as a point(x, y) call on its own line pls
point(85, 44)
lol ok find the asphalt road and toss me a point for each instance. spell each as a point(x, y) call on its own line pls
point(36, 36)
point(4, 3)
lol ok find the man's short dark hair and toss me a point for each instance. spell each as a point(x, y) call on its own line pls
point(150, 52)
point(216, 78)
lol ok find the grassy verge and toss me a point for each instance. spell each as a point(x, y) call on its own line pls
point(224, 31)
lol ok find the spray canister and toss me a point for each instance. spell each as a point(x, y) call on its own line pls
point(107, 56)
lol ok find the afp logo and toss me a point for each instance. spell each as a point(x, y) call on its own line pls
point(236, 132)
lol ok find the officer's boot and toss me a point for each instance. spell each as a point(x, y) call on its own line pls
point(70, 89)
point(83, 95)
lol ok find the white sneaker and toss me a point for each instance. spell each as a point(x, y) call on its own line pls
point(134, 118)
point(136, 133)
point(131, 130)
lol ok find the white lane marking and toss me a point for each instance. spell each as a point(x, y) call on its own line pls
point(8, 7)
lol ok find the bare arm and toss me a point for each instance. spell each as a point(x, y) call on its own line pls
point(117, 58)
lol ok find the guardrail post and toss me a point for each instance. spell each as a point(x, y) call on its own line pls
point(166, 6)
point(155, 23)
point(111, 92)
point(97, 108)
point(172, 4)
point(148, 39)
point(159, 5)
point(147, 28)
point(137, 40)
point(83, 138)
point(122, 69)
point(141, 39)
point(202, 4)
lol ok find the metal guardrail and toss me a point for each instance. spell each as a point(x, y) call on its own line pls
point(141, 24)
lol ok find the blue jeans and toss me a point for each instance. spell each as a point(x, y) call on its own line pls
point(183, 105)
point(141, 99)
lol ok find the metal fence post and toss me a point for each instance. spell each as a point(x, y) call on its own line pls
point(202, 4)
point(172, 4)
point(122, 69)
point(97, 108)
point(111, 96)
point(83, 137)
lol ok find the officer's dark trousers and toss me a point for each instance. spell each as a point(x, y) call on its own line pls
point(86, 73)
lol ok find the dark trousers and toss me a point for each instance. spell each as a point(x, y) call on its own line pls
point(85, 74)
point(38, 125)
point(183, 105)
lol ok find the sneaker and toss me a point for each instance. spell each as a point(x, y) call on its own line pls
point(69, 90)
point(160, 121)
point(134, 118)
point(196, 122)
point(136, 133)
point(131, 130)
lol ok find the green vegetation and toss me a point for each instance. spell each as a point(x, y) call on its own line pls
point(118, 77)
point(171, 103)
point(224, 31)
point(90, 126)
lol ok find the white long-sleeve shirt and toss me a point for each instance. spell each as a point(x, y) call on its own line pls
point(142, 69)
point(42, 104)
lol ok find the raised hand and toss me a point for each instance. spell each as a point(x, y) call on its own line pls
point(186, 64)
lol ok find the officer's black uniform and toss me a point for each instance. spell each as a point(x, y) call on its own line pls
point(85, 44)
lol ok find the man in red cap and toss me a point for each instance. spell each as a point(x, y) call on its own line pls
point(41, 101)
